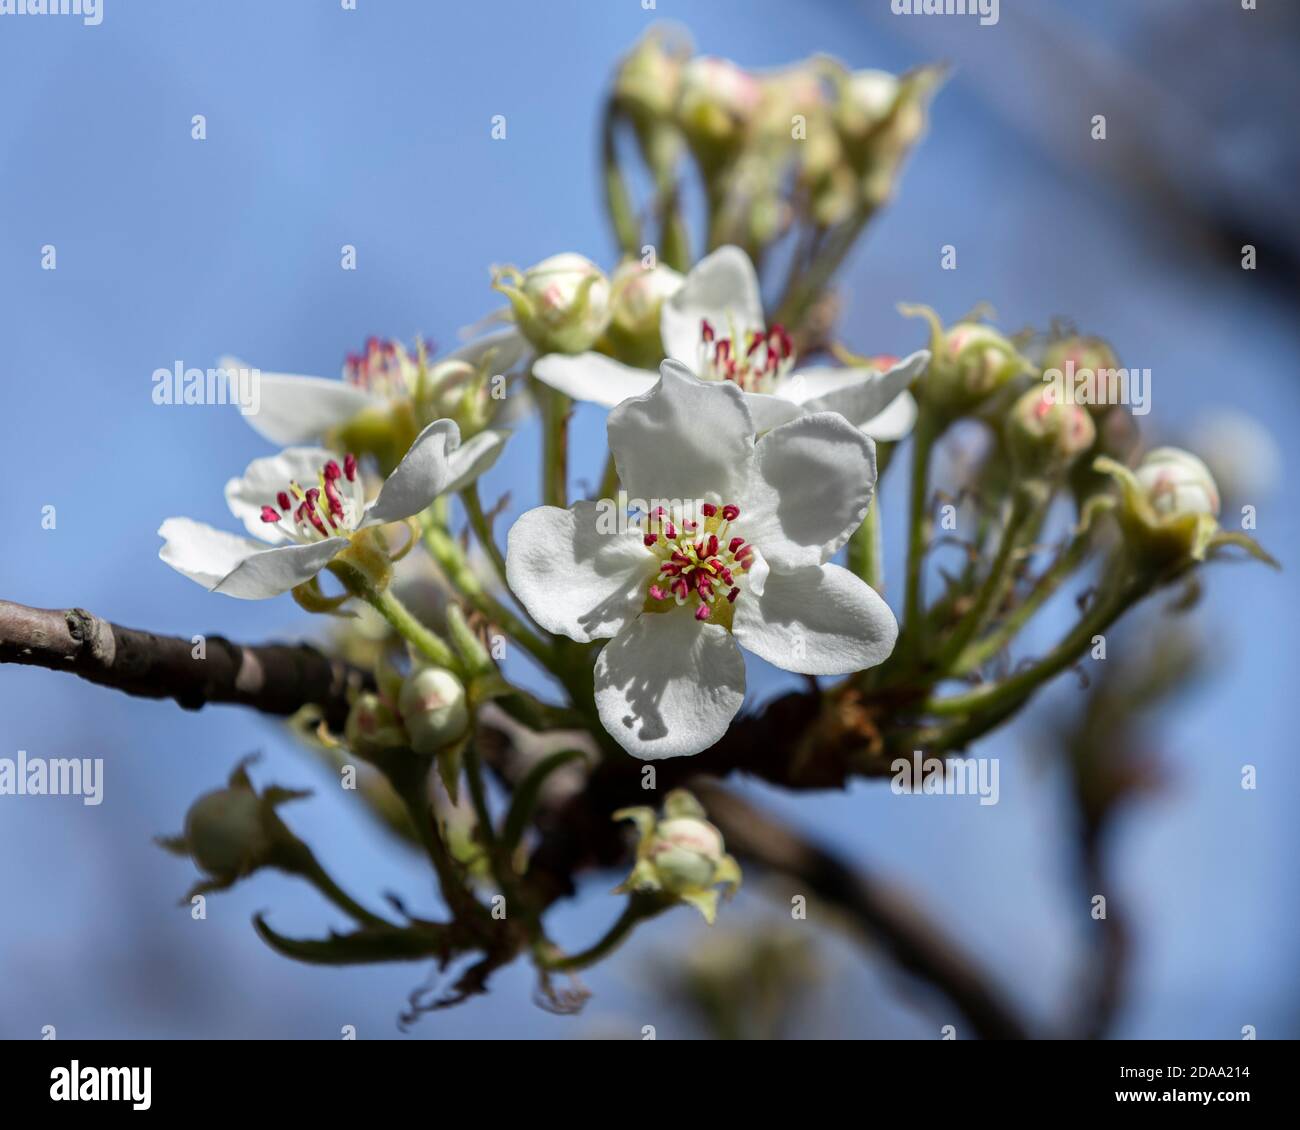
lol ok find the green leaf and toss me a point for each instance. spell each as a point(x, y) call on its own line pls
point(360, 948)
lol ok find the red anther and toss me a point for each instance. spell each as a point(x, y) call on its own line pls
point(725, 574)
point(650, 539)
point(270, 515)
point(755, 340)
point(669, 570)
point(711, 545)
point(681, 588)
point(311, 496)
point(703, 612)
point(782, 339)
point(745, 560)
point(731, 513)
point(689, 525)
point(708, 509)
point(723, 353)
point(699, 549)
point(656, 593)
point(658, 512)
point(283, 499)
point(680, 557)
point(731, 596)
point(670, 532)
point(332, 471)
point(706, 330)
point(733, 546)
point(706, 590)
point(350, 466)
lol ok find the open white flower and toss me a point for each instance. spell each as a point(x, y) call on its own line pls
point(300, 409)
point(732, 547)
point(308, 504)
point(714, 326)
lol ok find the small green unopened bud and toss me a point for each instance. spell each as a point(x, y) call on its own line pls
point(637, 297)
point(1045, 434)
point(969, 362)
point(373, 727)
point(679, 853)
point(433, 709)
point(647, 80)
point(716, 102)
point(686, 854)
point(561, 305)
point(1082, 353)
point(226, 833)
point(1176, 483)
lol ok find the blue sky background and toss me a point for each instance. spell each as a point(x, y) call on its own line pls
point(371, 127)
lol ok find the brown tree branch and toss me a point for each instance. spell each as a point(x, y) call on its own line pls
point(273, 678)
point(576, 834)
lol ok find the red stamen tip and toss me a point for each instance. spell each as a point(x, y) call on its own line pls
point(702, 613)
point(269, 514)
point(332, 471)
point(283, 499)
point(709, 509)
point(650, 539)
point(731, 513)
point(350, 466)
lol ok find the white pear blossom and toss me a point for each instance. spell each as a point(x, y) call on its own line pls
point(714, 326)
point(297, 409)
point(732, 546)
point(308, 503)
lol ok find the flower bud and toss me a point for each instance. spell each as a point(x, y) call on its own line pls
point(680, 854)
point(234, 831)
point(433, 709)
point(1176, 483)
point(561, 304)
point(373, 727)
point(866, 99)
point(647, 81)
point(1091, 353)
point(716, 103)
point(637, 295)
point(225, 832)
point(968, 363)
point(1046, 435)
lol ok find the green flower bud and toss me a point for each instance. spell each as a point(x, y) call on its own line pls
point(373, 727)
point(561, 304)
point(716, 103)
point(647, 81)
point(969, 362)
point(637, 296)
point(433, 709)
point(1090, 353)
point(1169, 509)
point(1176, 482)
point(225, 832)
point(1046, 435)
point(232, 832)
point(680, 854)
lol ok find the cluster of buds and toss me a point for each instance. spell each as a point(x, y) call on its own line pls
point(425, 711)
point(844, 134)
point(680, 855)
point(232, 832)
point(561, 305)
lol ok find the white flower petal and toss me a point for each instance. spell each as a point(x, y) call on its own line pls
point(822, 620)
point(810, 488)
point(857, 394)
point(473, 458)
point(593, 377)
point(266, 477)
point(423, 474)
point(574, 578)
point(685, 439)
point(202, 552)
point(298, 409)
point(270, 572)
point(895, 422)
point(771, 411)
point(500, 351)
point(668, 685)
point(721, 287)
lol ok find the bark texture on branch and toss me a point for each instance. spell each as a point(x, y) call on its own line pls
point(273, 678)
